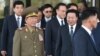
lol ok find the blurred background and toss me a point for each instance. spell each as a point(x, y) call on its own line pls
point(6, 5)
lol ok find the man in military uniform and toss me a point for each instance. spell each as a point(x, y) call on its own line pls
point(28, 40)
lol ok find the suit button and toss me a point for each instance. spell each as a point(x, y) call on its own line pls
point(34, 46)
point(35, 55)
point(35, 51)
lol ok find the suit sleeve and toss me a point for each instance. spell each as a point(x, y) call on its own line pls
point(4, 35)
point(16, 44)
point(58, 44)
point(48, 39)
point(80, 45)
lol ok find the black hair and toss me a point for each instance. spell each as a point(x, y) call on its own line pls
point(73, 11)
point(98, 12)
point(72, 4)
point(57, 7)
point(89, 12)
point(60, 4)
point(40, 9)
point(84, 3)
point(18, 3)
point(46, 6)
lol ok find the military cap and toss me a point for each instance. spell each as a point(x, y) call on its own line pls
point(34, 14)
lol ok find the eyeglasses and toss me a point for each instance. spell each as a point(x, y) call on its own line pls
point(48, 11)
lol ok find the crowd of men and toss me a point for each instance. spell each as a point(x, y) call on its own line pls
point(63, 30)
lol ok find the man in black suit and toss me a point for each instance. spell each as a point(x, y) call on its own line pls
point(52, 29)
point(96, 33)
point(72, 21)
point(47, 15)
point(1, 23)
point(66, 33)
point(84, 43)
point(11, 23)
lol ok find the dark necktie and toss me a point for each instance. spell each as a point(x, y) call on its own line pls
point(62, 23)
point(71, 32)
point(18, 22)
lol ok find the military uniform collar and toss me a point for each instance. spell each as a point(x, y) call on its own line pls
point(27, 29)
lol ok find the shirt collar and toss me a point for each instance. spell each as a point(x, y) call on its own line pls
point(59, 18)
point(16, 16)
point(88, 30)
point(47, 19)
point(74, 27)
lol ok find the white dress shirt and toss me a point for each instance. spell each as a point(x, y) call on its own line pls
point(74, 27)
point(20, 20)
point(59, 20)
point(88, 30)
point(38, 25)
point(47, 19)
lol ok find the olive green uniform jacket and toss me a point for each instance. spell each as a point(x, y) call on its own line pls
point(27, 43)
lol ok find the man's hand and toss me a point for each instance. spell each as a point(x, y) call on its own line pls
point(3, 53)
point(49, 55)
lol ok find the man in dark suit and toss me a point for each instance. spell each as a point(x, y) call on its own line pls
point(1, 23)
point(52, 29)
point(84, 43)
point(96, 33)
point(11, 23)
point(72, 17)
point(64, 40)
point(47, 15)
point(38, 24)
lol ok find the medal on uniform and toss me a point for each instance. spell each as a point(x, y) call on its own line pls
point(25, 37)
point(40, 37)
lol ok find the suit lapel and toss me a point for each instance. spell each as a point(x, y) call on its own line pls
point(43, 23)
point(56, 21)
point(91, 41)
point(77, 28)
point(66, 30)
point(14, 21)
